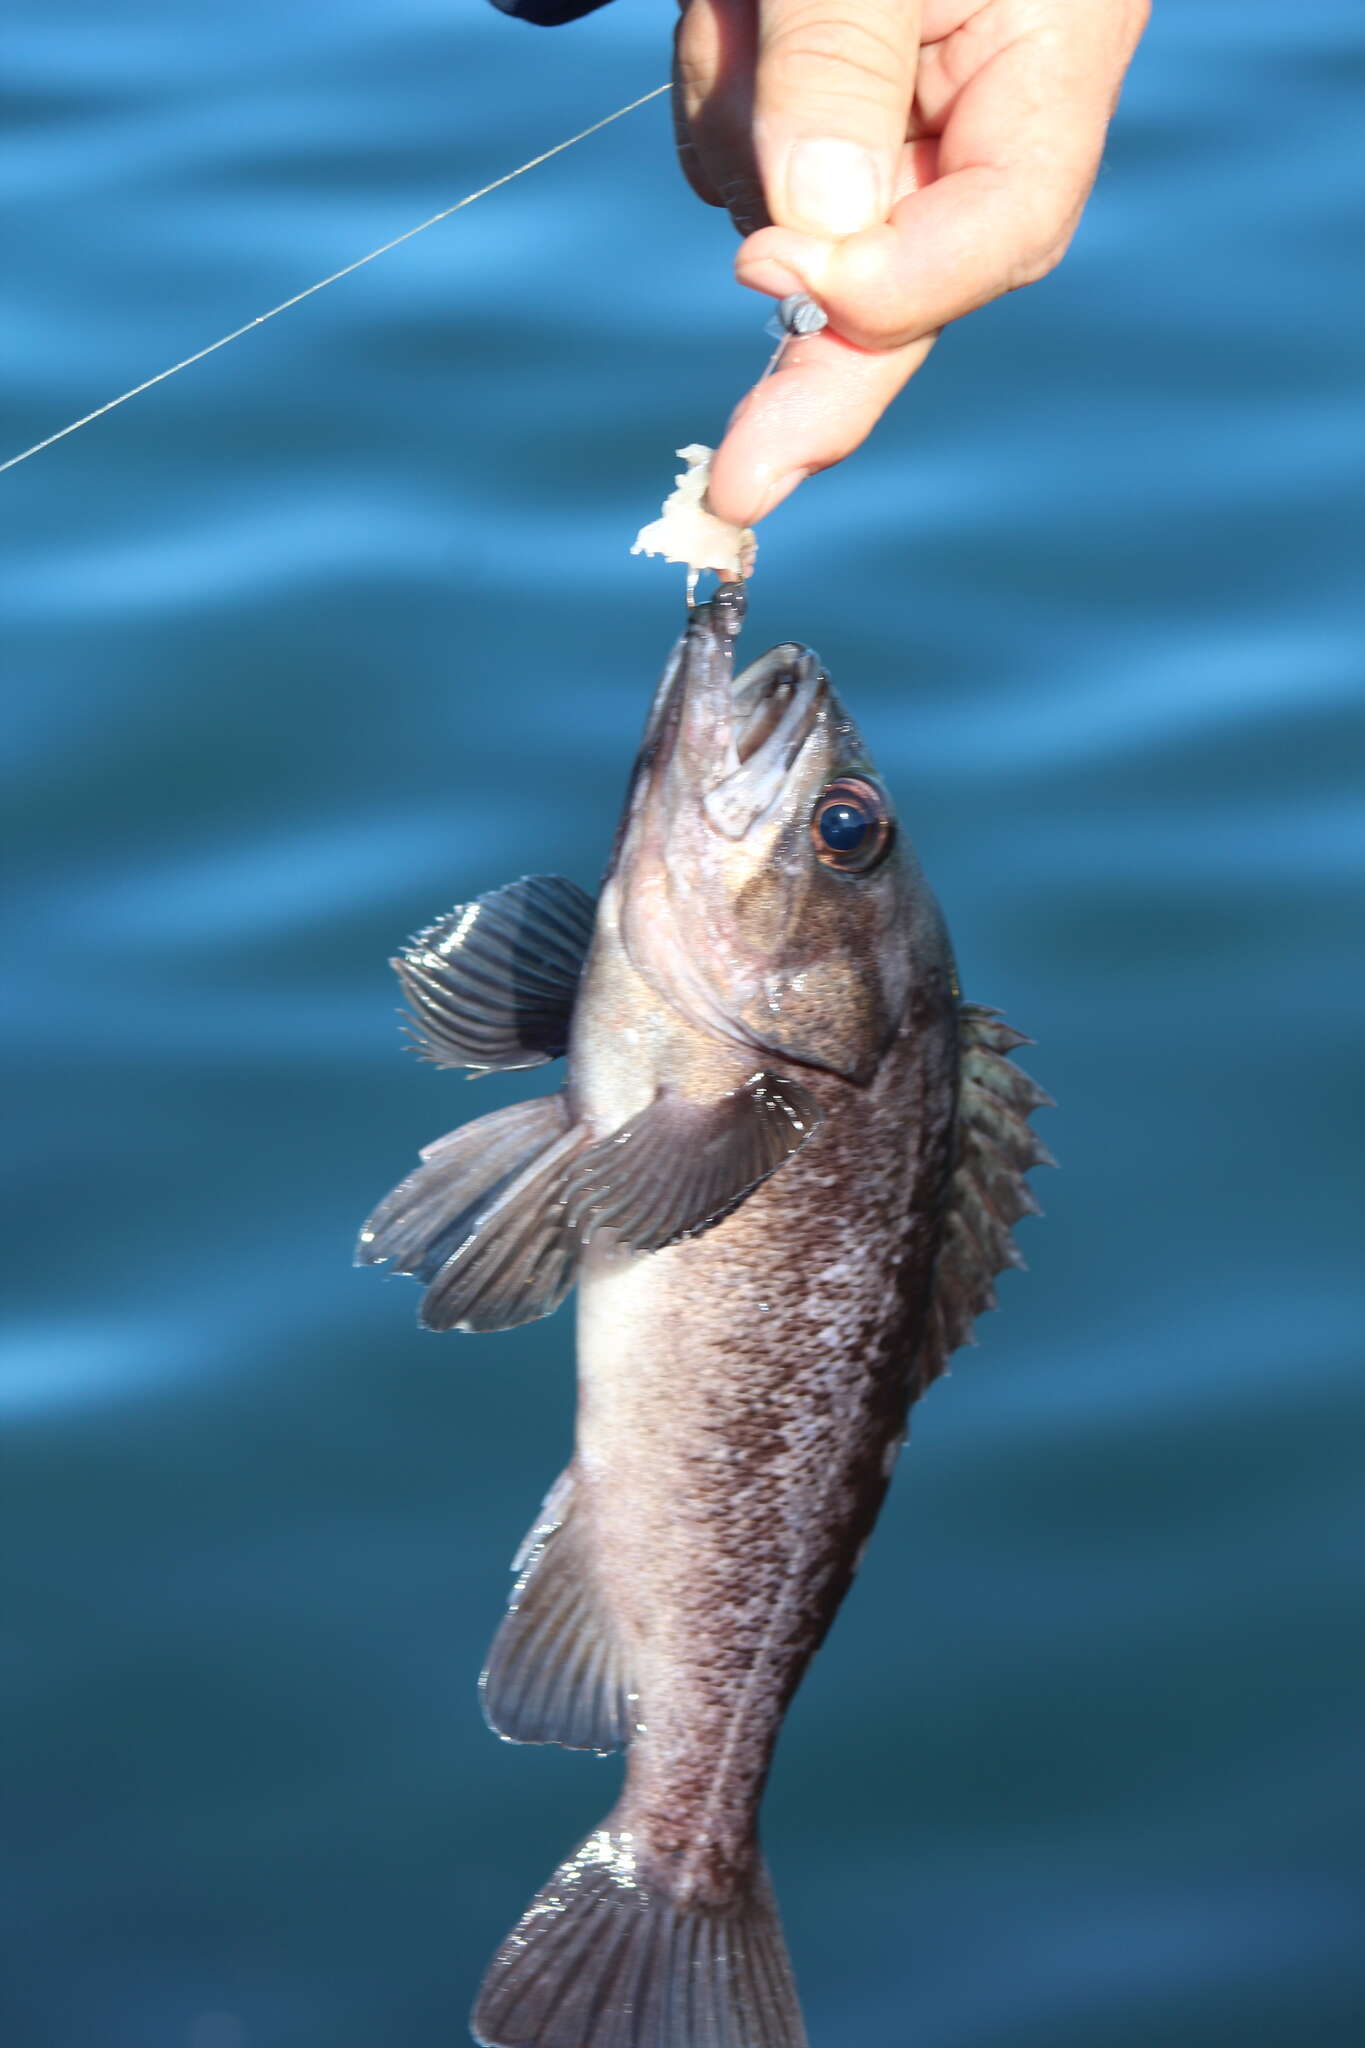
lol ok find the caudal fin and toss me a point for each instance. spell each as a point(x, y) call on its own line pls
point(600, 1960)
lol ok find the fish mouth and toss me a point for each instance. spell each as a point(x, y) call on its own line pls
point(775, 706)
point(725, 741)
point(773, 698)
point(741, 735)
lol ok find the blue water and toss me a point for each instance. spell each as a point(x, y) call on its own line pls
point(339, 628)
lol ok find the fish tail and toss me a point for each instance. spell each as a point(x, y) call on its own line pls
point(601, 1960)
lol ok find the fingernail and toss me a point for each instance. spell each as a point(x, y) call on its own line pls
point(765, 275)
point(833, 188)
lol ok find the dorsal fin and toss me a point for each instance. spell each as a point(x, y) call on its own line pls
point(988, 1192)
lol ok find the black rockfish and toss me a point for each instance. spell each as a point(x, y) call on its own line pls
point(783, 1169)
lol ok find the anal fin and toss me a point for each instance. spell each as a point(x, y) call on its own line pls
point(556, 1672)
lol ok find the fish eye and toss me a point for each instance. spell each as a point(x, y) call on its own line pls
point(852, 828)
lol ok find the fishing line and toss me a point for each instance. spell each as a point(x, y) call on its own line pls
point(322, 283)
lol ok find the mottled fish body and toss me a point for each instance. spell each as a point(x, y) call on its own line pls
point(783, 1171)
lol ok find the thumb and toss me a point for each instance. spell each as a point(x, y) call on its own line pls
point(833, 88)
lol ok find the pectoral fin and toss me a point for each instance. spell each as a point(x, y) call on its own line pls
point(493, 983)
point(682, 1166)
point(482, 1220)
point(988, 1192)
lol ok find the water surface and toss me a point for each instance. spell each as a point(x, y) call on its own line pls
point(338, 629)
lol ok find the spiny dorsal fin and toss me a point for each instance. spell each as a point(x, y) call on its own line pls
point(988, 1192)
point(492, 984)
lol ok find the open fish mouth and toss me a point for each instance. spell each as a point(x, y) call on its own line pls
point(726, 741)
point(775, 705)
point(774, 700)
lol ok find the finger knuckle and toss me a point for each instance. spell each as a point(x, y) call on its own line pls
point(690, 73)
point(694, 50)
point(1043, 250)
point(854, 56)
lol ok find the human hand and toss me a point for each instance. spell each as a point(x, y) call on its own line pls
point(903, 161)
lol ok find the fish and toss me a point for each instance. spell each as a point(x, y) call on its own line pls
point(783, 1172)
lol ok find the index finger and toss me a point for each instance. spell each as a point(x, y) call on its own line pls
point(818, 406)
